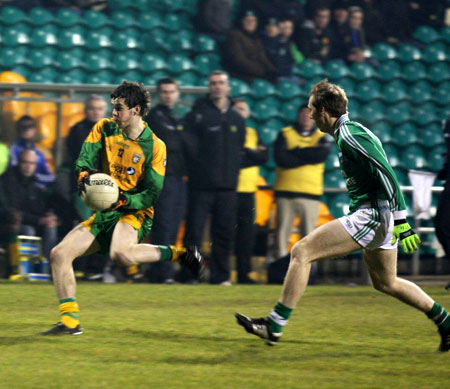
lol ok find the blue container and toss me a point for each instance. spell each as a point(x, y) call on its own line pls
point(25, 266)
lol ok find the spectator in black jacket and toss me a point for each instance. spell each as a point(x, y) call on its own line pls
point(219, 134)
point(25, 196)
point(171, 206)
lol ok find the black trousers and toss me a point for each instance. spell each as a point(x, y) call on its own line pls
point(442, 220)
point(222, 207)
point(245, 234)
point(169, 212)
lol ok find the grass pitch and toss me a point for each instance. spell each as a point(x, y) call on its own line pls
point(160, 336)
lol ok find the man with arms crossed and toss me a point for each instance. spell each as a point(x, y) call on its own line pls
point(132, 154)
point(377, 220)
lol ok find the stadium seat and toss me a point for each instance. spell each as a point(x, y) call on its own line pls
point(289, 110)
point(431, 136)
point(420, 92)
point(98, 60)
point(398, 114)
point(148, 21)
point(353, 107)
point(205, 44)
point(439, 72)
point(424, 116)
point(413, 157)
point(336, 70)
point(11, 15)
point(442, 94)
point(426, 34)
point(74, 76)
point(268, 134)
point(405, 135)
point(188, 79)
point(408, 53)
point(206, 63)
point(434, 53)
point(362, 71)
point(67, 17)
point(95, 20)
point(368, 91)
point(309, 69)
point(152, 78)
point(44, 36)
point(262, 89)
point(372, 112)
point(96, 40)
point(122, 20)
point(382, 130)
point(15, 36)
point(389, 70)
point(287, 90)
point(71, 37)
point(155, 42)
point(13, 56)
point(384, 52)
point(152, 62)
point(263, 111)
point(445, 34)
point(240, 88)
point(332, 162)
point(339, 205)
point(102, 77)
point(40, 17)
point(334, 179)
point(349, 86)
point(46, 75)
point(179, 63)
point(392, 155)
point(402, 177)
point(70, 59)
point(125, 61)
point(175, 22)
point(39, 58)
point(180, 44)
point(130, 75)
point(435, 161)
point(23, 70)
point(126, 40)
point(394, 92)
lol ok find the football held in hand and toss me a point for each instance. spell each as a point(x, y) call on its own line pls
point(101, 192)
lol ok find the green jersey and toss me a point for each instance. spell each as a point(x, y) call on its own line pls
point(365, 168)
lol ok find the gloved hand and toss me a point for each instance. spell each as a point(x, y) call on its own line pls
point(83, 178)
point(409, 240)
point(121, 201)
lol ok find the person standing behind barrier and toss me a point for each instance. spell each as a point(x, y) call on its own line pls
point(171, 205)
point(255, 154)
point(218, 132)
point(442, 218)
point(300, 152)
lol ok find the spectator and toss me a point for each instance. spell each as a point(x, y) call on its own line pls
point(24, 195)
point(314, 38)
point(27, 130)
point(340, 31)
point(442, 218)
point(278, 9)
point(218, 132)
point(256, 154)
point(374, 24)
point(286, 27)
point(300, 153)
point(278, 49)
point(244, 53)
point(171, 206)
point(214, 17)
point(356, 40)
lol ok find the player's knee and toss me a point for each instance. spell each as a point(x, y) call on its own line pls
point(384, 286)
point(299, 253)
point(121, 257)
point(56, 255)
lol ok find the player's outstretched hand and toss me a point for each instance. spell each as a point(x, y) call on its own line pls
point(409, 240)
point(83, 179)
point(121, 201)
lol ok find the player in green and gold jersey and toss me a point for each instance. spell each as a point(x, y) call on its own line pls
point(125, 148)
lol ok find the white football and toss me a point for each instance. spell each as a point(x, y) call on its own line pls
point(101, 192)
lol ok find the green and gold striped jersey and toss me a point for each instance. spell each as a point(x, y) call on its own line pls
point(138, 166)
point(365, 167)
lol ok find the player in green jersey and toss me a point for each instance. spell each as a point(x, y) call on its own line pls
point(377, 220)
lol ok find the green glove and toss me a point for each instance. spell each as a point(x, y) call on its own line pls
point(409, 240)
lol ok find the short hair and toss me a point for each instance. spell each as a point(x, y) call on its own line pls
point(134, 93)
point(25, 122)
point(355, 9)
point(166, 81)
point(302, 107)
point(218, 73)
point(331, 97)
point(27, 150)
point(93, 97)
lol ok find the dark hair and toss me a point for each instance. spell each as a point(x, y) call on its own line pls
point(165, 81)
point(134, 94)
point(331, 97)
point(25, 122)
point(302, 107)
point(218, 73)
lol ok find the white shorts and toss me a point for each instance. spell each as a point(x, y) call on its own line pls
point(371, 227)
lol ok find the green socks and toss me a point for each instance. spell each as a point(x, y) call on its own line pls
point(166, 253)
point(278, 318)
point(440, 316)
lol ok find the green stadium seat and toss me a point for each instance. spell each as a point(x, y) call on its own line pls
point(179, 63)
point(95, 20)
point(339, 204)
point(372, 112)
point(309, 69)
point(394, 92)
point(382, 130)
point(420, 92)
point(392, 155)
point(175, 22)
point(348, 85)
point(188, 79)
point(431, 136)
point(40, 58)
point(206, 63)
point(262, 89)
point(70, 59)
point(332, 162)
point(122, 5)
point(398, 114)
point(240, 88)
point(414, 71)
point(122, 20)
point(362, 71)
point(389, 70)
point(426, 34)
point(205, 44)
point(101, 78)
point(75, 76)
point(96, 40)
point(353, 107)
point(408, 53)
point(442, 94)
point(40, 17)
point(98, 60)
point(405, 135)
point(71, 37)
point(151, 79)
point(152, 62)
point(439, 72)
point(334, 179)
point(126, 61)
point(413, 157)
point(15, 36)
point(11, 15)
point(180, 44)
point(148, 21)
point(445, 34)
point(23, 70)
point(368, 91)
point(336, 70)
point(268, 135)
point(289, 110)
point(434, 53)
point(384, 52)
point(263, 111)
point(44, 76)
point(126, 40)
point(130, 75)
point(13, 56)
point(402, 177)
point(155, 43)
point(44, 36)
point(444, 111)
point(67, 17)
point(423, 116)
point(287, 90)
point(140, 6)
point(435, 161)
